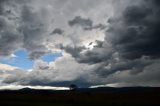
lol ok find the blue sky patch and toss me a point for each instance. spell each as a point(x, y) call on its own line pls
point(22, 61)
point(51, 56)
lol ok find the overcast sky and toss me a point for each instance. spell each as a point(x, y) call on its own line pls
point(85, 42)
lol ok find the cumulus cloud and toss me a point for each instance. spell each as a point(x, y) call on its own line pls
point(55, 73)
point(7, 67)
point(6, 70)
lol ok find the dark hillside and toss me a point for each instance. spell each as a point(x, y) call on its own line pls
point(81, 97)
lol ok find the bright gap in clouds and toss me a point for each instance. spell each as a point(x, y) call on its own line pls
point(22, 61)
point(17, 87)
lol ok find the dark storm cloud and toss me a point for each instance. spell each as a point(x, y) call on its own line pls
point(137, 32)
point(22, 27)
point(9, 42)
point(74, 51)
point(135, 66)
point(57, 31)
point(1, 7)
point(80, 21)
point(10, 38)
point(149, 77)
point(33, 29)
point(132, 35)
point(100, 53)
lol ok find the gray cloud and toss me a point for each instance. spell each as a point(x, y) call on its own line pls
point(79, 21)
point(57, 31)
point(74, 51)
point(149, 77)
point(22, 27)
point(100, 53)
point(52, 74)
point(135, 66)
point(99, 26)
point(31, 24)
point(133, 42)
point(10, 38)
point(137, 33)
point(86, 24)
point(34, 27)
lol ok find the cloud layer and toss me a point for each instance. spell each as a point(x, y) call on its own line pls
point(102, 42)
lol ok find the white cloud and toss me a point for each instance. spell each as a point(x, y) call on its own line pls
point(5, 67)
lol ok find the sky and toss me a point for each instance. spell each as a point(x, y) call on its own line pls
point(83, 42)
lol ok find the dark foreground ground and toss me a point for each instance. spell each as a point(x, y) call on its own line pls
point(82, 97)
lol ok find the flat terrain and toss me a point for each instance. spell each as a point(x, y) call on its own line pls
point(81, 97)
